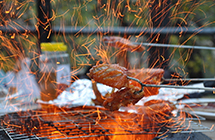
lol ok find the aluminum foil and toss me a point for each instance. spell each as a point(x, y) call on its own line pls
point(81, 93)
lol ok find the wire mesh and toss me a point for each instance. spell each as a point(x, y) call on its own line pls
point(85, 123)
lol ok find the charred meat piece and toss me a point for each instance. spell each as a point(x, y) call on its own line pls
point(122, 97)
point(109, 74)
point(117, 77)
point(147, 76)
point(122, 43)
point(157, 109)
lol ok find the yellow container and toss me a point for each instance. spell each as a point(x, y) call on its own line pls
point(53, 47)
point(54, 70)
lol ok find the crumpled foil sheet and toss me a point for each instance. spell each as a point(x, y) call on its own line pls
point(81, 93)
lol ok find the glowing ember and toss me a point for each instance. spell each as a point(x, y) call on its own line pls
point(84, 26)
point(82, 123)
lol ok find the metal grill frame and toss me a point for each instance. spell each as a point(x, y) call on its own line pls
point(84, 124)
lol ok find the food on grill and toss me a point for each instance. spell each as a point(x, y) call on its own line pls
point(156, 111)
point(147, 76)
point(158, 106)
point(99, 98)
point(117, 77)
point(122, 97)
point(123, 43)
point(112, 75)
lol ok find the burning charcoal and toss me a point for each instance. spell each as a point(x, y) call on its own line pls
point(76, 123)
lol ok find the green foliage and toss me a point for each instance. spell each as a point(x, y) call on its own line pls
point(88, 49)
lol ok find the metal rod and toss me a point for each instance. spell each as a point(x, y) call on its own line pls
point(167, 86)
point(137, 92)
point(190, 79)
point(169, 45)
point(179, 87)
point(177, 46)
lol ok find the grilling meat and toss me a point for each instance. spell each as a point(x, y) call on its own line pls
point(123, 43)
point(156, 112)
point(116, 76)
point(122, 97)
point(112, 75)
point(158, 106)
point(147, 76)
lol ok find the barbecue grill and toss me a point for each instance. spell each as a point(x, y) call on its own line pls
point(90, 122)
point(86, 122)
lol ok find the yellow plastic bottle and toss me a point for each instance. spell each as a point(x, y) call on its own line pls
point(54, 70)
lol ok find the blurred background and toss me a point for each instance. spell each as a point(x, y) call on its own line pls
point(81, 25)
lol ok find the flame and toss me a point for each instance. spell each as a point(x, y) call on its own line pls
point(130, 125)
point(87, 50)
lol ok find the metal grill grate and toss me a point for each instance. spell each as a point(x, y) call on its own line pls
point(86, 123)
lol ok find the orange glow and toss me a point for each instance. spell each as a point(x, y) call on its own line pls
point(88, 49)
